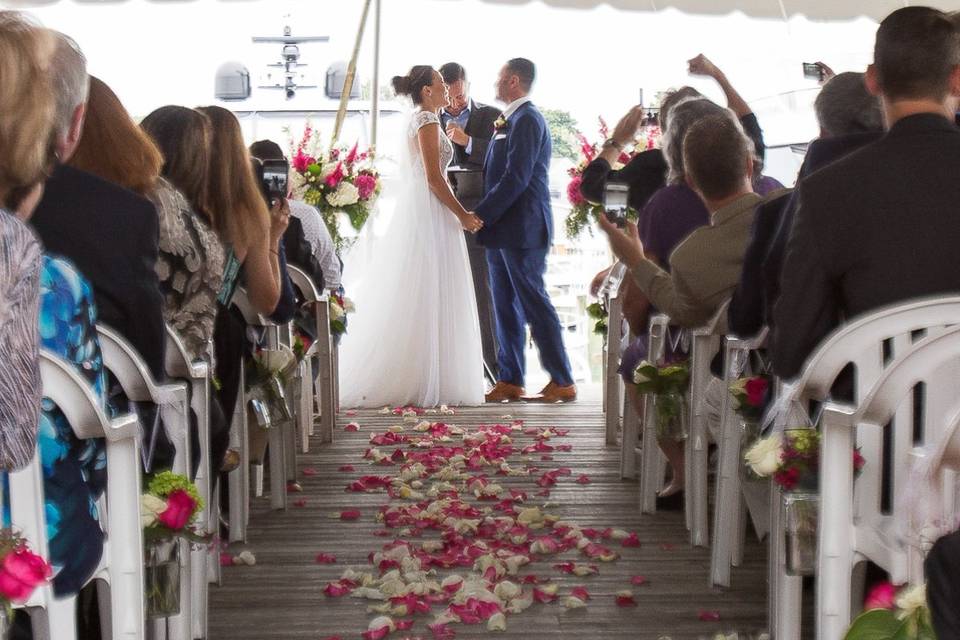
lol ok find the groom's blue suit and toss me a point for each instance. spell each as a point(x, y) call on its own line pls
point(517, 232)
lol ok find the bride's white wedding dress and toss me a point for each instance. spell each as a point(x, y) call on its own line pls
point(415, 336)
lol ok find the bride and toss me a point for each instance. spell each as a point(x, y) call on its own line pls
point(415, 338)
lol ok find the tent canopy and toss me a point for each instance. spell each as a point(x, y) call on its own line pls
point(778, 9)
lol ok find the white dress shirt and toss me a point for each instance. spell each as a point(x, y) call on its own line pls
point(513, 106)
point(321, 244)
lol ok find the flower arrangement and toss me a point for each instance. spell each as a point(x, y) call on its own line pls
point(751, 395)
point(791, 458)
point(597, 312)
point(894, 613)
point(268, 376)
point(668, 384)
point(21, 570)
point(340, 307)
point(583, 212)
point(335, 181)
point(168, 508)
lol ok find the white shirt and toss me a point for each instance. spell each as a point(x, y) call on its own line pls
point(513, 106)
point(321, 244)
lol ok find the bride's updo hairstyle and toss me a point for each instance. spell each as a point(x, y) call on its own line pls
point(414, 82)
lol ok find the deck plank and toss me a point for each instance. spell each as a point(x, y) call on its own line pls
point(281, 596)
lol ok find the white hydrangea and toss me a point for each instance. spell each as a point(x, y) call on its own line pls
point(345, 195)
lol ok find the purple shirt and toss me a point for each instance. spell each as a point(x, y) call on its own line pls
point(670, 216)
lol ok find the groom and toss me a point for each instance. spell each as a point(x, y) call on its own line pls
point(517, 232)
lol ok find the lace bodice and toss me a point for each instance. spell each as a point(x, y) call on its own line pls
point(420, 120)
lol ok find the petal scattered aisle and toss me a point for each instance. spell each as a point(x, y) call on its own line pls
point(463, 527)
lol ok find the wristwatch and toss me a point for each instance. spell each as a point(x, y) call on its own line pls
point(610, 142)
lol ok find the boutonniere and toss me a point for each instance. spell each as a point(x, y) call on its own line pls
point(500, 125)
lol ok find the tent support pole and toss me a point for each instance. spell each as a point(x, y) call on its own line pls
point(375, 106)
point(351, 73)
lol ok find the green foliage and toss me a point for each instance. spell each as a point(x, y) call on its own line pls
point(563, 134)
point(598, 313)
point(166, 482)
point(883, 624)
point(669, 387)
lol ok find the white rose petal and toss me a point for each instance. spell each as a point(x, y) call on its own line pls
point(765, 455)
point(497, 622)
point(909, 600)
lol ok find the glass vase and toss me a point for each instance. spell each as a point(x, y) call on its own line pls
point(672, 416)
point(162, 579)
point(801, 514)
point(749, 434)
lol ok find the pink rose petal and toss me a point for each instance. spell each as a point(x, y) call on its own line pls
point(441, 631)
point(709, 616)
point(353, 426)
point(543, 597)
point(580, 592)
point(638, 581)
point(309, 471)
point(226, 560)
point(326, 558)
point(300, 503)
point(626, 601)
point(346, 468)
point(584, 479)
point(352, 514)
point(631, 541)
point(666, 546)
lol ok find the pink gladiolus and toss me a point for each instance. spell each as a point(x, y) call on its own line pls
point(881, 596)
point(366, 185)
point(336, 176)
point(351, 156)
point(179, 510)
point(301, 161)
point(21, 572)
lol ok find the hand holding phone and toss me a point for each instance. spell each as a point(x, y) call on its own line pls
point(615, 202)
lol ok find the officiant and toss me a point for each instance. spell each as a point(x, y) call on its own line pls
point(469, 125)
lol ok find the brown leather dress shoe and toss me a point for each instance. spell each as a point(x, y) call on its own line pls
point(553, 393)
point(504, 392)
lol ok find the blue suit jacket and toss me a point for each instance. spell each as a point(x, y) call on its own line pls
point(516, 205)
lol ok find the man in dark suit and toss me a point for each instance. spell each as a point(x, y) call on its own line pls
point(517, 232)
point(109, 233)
point(880, 226)
point(469, 125)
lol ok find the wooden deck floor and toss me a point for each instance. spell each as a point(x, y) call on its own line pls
point(281, 596)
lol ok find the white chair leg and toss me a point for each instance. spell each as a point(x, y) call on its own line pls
point(834, 548)
point(325, 385)
point(199, 591)
point(238, 479)
point(651, 473)
point(180, 626)
point(726, 507)
point(278, 475)
point(785, 597)
point(742, 519)
point(256, 471)
point(128, 614)
point(628, 446)
point(306, 405)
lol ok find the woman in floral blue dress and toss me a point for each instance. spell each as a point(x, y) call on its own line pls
point(74, 470)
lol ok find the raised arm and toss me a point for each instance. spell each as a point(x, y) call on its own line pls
point(702, 66)
point(429, 138)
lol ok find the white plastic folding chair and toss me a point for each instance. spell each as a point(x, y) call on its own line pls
point(314, 297)
point(652, 465)
point(868, 343)
point(704, 345)
point(277, 448)
point(611, 293)
point(728, 514)
point(171, 398)
point(205, 565)
point(121, 566)
point(854, 530)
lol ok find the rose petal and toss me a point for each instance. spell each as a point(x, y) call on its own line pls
point(638, 580)
point(353, 426)
point(326, 558)
point(625, 599)
point(300, 503)
point(441, 631)
point(631, 541)
point(309, 471)
point(580, 592)
point(352, 514)
point(666, 546)
point(347, 468)
point(584, 479)
point(709, 616)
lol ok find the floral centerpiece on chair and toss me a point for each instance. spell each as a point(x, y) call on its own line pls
point(336, 181)
point(668, 385)
point(792, 458)
point(340, 308)
point(583, 212)
point(21, 572)
point(894, 614)
point(598, 312)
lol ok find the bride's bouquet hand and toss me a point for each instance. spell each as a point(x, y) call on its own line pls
point(471, 222)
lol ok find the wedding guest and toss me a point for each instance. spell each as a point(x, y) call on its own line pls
point(74, 471)
point(251, 234)
point(81, 217)
point(879, 227)
point(850, 118)
point(469, 125)
point(705, 267)
point(942, 568)
point(26, 120)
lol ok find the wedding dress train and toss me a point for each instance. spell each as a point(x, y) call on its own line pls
point(415, 336)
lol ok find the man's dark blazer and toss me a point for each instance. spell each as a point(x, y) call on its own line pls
point(480, 129)
point(516, 203)
point(878, 227)
point(759, 288)
point(112, 236)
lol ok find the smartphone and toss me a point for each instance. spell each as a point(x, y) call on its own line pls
point(615, 202)
point(813, 71)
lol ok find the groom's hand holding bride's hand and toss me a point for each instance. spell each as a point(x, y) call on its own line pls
point(625, 242)
point(471, 222)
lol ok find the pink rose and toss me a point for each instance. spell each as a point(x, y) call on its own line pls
point(756, 389)
point(179, 510)
point(881, 596)
point(336, 177)
point(366, 185)
point(573, 192)
point(22, 571)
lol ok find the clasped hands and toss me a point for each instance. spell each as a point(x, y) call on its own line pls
point(471, 222)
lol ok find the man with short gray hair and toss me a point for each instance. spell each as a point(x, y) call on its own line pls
point(109, 233)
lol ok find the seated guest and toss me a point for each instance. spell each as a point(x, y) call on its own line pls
point(849, 118)
point(705, 267)
point(83, 217)
point(74, 471)
point(646, 172)
point(307, 241)
point(879, 227)
point(251, 234)
point(942, 568)
point(26, 119)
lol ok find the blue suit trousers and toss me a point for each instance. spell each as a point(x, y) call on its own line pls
point(520, 297)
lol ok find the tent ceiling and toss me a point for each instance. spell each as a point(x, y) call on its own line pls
point(814, 9)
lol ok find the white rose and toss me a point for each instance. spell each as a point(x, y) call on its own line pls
point(150, 507)
point(909, 600)
point(764, 456)
point(336, 311)
point(346, 194)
